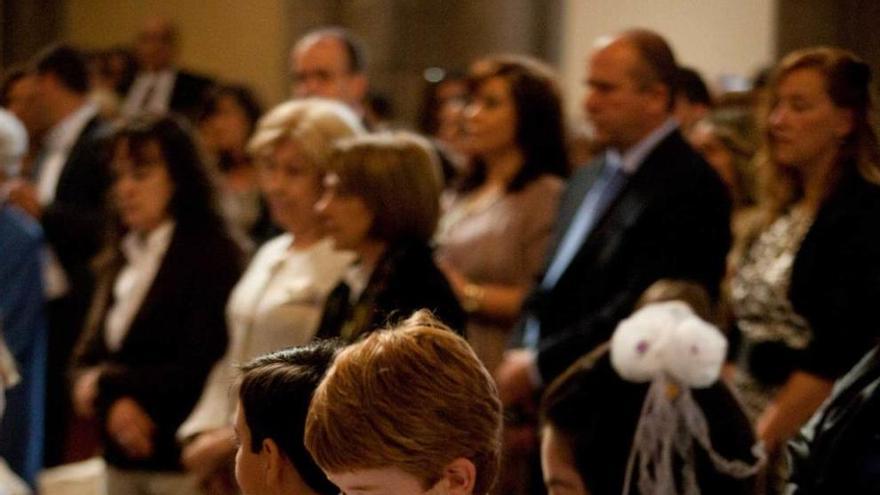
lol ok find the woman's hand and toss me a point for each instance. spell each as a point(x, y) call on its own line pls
point(793, 406)
point(208, 452)
point(85, 391)
point(131, 428)
point(500, 302)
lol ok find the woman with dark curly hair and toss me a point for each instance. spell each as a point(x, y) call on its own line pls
point(156, 325)
point(497, 224)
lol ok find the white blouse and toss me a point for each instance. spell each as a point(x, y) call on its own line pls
point(277, 304)
point(143, 256)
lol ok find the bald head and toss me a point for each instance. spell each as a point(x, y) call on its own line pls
point(329, 63)
point(630, 81)
point(156, 43)
point(655, 61)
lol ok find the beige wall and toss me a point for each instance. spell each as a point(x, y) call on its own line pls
point(714, 36)
point(240, 41)
point(247, 41)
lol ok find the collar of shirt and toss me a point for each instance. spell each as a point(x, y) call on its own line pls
point(158, 85)
point(156, 76)
point(633, 158)
point(357, 276)
point(137, 247)
point(65, 133)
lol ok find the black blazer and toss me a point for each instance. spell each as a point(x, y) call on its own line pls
point(74, 224)
point(74, 221)
point(177, 335)
point(189, 93)
point(405, 280)
point(835, 278)
point(671, 220)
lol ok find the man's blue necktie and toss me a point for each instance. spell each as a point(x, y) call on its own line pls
point(597, 200)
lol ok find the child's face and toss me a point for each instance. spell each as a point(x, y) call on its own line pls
point(561, 476)
point(250, 467)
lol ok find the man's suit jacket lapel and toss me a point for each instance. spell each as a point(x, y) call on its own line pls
point(623, 212)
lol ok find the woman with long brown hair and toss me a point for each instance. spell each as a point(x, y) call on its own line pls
point(497, 224)
point(156, 325)
point(804, 281)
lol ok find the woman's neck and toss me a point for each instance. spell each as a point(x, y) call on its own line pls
point(306, 238)
point(502, 166)
point(370, 251)
point(237, 158)
point(145, 233)
point(818, 178)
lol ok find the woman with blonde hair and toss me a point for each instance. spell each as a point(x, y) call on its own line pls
point(804, 284)
point(278, 301)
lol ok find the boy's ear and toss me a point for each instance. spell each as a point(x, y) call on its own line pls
point(273, 462)
point(460, 476)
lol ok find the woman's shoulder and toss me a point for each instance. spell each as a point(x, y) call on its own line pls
point(406, 255)
point(414, 282)
point(537, 203)
point(272, 248)
point(545, 186)
point(408, 269)
point(211, 247)
point(851, 212)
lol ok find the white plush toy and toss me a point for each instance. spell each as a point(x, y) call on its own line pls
point(668, 337)
point(671, 347)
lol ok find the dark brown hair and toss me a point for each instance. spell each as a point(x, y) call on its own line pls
point(275, 392)
point(540, 130)
point(397, 175)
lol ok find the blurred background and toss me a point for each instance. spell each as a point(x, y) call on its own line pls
point(248, 41)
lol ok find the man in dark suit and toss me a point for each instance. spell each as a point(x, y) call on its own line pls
point(159, 86)
point(648, 208)
point(66, 195)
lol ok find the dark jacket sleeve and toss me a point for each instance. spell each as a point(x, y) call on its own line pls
point(75, 220)
point(836, 279)
point(416, 283)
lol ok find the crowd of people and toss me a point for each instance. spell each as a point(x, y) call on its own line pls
point(221, 300)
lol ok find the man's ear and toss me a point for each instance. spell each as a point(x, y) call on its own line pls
point(359, 86)
point(273, 463)
point(659, 97)
point(843, 125)
point(460, 476)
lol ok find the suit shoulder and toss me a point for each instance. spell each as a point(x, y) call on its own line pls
point(194, 79)
point(543, 188)
point(19, 228)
